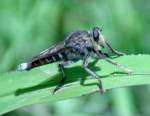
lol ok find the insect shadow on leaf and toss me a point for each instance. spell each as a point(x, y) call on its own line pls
point(73, 76)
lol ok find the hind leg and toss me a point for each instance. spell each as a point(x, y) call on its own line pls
point(63, 75)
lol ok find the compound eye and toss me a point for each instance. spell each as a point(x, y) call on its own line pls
point(96, 34)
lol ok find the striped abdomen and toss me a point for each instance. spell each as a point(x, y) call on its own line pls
point(42, 60)
point(48, 59)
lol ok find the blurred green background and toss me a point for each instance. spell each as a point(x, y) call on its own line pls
point(29, 26)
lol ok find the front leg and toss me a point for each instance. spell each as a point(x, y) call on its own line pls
point(102, 56)
point(93, 74)
point(107, 55)
point(113, 50)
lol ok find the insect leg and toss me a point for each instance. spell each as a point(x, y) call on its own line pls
point(106, 54)
point(63, 78)
point(101, 55)
point(93, 74)
point(113, 50)
point(63, 75)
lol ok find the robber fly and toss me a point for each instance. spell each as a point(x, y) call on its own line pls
point(78, 45)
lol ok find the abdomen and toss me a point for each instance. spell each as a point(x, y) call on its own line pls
point(43, 60)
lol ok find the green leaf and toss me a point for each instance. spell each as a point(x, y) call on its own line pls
point(18, 89)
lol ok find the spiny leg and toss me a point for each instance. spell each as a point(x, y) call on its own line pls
point(113, 50)
point(101, 55)
point(107, 55)
point(63, 75)
point(85, 66)
point(93, 74)
point(63, 78)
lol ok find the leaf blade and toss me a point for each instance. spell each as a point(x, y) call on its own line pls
point(20, 89)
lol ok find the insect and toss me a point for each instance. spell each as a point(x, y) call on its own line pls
point(78, 45)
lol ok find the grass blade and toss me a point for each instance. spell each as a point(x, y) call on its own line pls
point(18, 89)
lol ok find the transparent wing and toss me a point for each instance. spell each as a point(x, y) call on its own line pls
point(52, 50)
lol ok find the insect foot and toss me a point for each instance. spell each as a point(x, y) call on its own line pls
point(55, 90)
point(101, 89)
point(100, 85)
point(128, 71)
